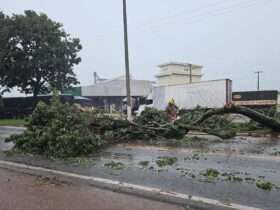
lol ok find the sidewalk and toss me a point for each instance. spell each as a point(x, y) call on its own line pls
point(25, 192)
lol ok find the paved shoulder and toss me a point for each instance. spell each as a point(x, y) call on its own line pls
point(26, 192)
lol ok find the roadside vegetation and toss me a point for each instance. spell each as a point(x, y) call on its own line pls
point(57, 130)
point(13, 122)
point(36, 54)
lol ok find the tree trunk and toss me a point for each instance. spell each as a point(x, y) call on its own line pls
point(256, 116)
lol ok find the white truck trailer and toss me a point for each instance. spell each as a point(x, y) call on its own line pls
point(210, 94)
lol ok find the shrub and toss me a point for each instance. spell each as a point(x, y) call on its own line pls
point(57, 130)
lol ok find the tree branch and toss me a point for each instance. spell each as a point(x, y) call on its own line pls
point(256, 116)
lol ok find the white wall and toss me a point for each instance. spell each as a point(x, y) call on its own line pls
point(118, 88)
point(177, 74)
point(176, 79)
point(211, 94)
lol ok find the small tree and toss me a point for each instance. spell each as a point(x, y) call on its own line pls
point(36, 53)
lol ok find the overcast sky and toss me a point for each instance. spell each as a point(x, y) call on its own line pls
point(230, 38)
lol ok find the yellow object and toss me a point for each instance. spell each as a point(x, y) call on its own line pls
point(171, 101)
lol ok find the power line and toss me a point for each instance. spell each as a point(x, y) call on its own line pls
point(209, 13)
point(183, 11)
point(178, 14)
point(192, 18)
point(160, 21)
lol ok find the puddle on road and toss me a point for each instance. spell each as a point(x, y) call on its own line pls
point(235, 146)
point(227, 157)
point(5, 132)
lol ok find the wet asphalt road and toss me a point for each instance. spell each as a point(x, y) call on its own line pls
point(6, 132)
point(186, 175)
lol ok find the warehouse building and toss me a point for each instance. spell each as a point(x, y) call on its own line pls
point(110, 94)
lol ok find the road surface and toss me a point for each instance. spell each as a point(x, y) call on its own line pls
point(245, 160)
point(25, 192)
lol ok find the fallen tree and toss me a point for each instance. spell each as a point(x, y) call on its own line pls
point(267, 121)
point(62, 130)
point(153, 124)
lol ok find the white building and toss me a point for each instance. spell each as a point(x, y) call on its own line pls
point(117, 87)
point(109, 94)
point(175, 73)
point(183, 82)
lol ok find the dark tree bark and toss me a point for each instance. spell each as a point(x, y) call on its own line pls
point(256, 116)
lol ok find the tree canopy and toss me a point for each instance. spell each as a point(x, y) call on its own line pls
point(36, 54)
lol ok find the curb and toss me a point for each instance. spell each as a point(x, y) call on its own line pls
point(199, 203)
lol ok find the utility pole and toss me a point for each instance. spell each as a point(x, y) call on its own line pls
point(258, 82)
point(127, 75)
point(95, 77)
point(190, 73)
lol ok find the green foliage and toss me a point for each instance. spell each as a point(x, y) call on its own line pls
point(36, 53)
point(144, 163)
point(116, 130)
point(221, 123)
point(57, 130)
point(211, 173)
point(166, 161)
point(1, 104)
point(152, 117)
point(232, 178)
point(215, 122)
point(250, 179)
point(264, 185)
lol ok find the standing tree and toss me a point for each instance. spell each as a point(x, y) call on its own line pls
point(36, 54)
point(4, 33)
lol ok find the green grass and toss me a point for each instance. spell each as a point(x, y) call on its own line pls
point(12, 122)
